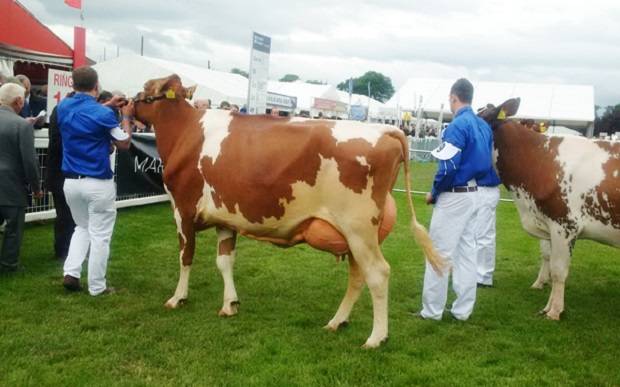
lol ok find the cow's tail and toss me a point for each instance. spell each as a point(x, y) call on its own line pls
point(419, 231)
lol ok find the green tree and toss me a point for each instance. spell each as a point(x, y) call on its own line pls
point(609, 122)
point(381, 87)
point(240, 72)
point(289, 78)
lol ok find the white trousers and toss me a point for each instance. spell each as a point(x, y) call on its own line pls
point(485, 233)
point(453, 233)
point(91, 202)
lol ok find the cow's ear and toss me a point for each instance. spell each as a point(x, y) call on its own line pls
point(171, 86)
point(489, 113)
point(509, 108)
point(189, 91)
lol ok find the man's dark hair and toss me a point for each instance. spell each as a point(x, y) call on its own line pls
point(464, 90)
point(85, 79)
point(104, 96)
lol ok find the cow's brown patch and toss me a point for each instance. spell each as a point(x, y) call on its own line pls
point(527, 160)
point(266, 156)
point(227, 246)
point(179, 140)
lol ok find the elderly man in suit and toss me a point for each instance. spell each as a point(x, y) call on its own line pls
point(18, 168)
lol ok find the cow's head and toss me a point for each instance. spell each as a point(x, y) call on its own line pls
point(167, 90)
point(495, 115)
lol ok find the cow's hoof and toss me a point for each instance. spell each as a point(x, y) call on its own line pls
point(370, 344)
point(229, 310)
point(174, 303)
point(333, 326)
point(552, 315)
point(538, 285)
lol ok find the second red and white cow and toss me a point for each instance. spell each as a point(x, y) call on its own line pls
point(281, 180)
point(565, 188)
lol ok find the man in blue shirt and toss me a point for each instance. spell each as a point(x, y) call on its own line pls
point(464, 157)
point(88, 131)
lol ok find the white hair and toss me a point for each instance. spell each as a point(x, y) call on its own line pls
point(9, 92)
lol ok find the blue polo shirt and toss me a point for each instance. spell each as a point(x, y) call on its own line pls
point(86, 129)
point(467, 142)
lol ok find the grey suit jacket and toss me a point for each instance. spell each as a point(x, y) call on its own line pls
point(18, 161)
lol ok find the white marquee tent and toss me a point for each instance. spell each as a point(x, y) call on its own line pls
point(129, 72)
point(566, 105)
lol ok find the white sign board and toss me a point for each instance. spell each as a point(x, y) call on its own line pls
point(59, 84)
point(259, 74)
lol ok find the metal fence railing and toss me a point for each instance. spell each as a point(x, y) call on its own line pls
point(41, 209)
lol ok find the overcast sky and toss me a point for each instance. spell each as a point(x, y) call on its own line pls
point(540, 41)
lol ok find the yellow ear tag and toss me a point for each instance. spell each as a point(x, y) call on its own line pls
point(170, 94)
point(501, 115)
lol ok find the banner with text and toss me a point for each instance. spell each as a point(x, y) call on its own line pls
point(139, 171)
point(59, 84)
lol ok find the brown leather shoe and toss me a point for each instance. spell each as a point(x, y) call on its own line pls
point(71, 283)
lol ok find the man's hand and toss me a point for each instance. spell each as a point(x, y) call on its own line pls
point(38, 195)
point(128, 110)
point(429, 198)
point(116, 101)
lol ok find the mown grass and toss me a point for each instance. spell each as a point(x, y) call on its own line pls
point(49, 337)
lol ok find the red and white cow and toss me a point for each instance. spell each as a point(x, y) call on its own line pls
point(281, 180)
point(565, 188)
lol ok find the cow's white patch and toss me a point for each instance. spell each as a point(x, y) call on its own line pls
point(616, 173)
point(215, 128)
point(362, 160)
point(223, 234)
point(344, 131)
point(582, 163)
point(532, 219)
point(177, 215)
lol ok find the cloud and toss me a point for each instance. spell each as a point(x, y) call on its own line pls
point(528, 40)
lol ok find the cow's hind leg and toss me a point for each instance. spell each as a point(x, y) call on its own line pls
point(187, 244)
point(376, 272)
point(543, 274)
point(356, 283)
point(558, 266)
point(226, 241)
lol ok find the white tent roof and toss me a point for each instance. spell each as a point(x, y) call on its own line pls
point(562, 131)
point(129, 72)
point(571, 105)
point(305, 92)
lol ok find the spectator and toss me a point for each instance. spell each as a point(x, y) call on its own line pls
point(33, 104)
point(225, 105)
point(203, 104)
point(54, 181)
point(234, 108)
point(18, 167)
point(88, 129)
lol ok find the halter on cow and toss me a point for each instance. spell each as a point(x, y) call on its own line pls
point(572, 192)
point(281, 180)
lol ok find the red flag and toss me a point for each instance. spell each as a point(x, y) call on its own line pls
point(74, 3)
point(79, 47)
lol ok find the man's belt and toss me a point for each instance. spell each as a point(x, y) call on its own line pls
point(74, 176)
point(464, 189)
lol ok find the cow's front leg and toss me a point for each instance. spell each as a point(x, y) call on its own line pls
point(356, 283)
point(226, 241)
point(543, 273)
point(558, 266)
point(187, 245)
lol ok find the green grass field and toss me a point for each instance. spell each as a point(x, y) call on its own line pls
point(49, 337)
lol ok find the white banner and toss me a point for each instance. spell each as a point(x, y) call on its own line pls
point(59, 84)
point(259, 74)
